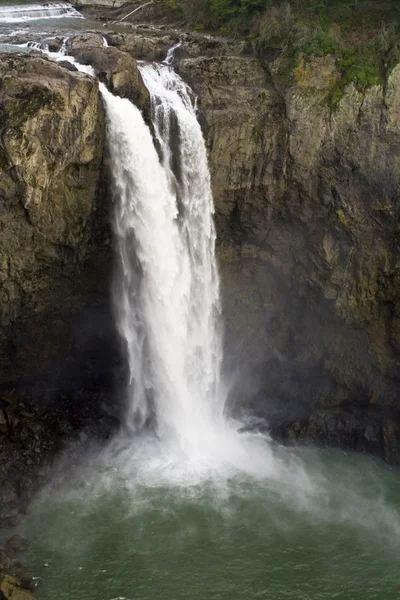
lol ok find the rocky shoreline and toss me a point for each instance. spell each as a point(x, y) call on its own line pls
point(13, 583)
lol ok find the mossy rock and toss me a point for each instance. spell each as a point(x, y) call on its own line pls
point(28, 102)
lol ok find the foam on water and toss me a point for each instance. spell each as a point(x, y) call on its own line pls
point(169, 59)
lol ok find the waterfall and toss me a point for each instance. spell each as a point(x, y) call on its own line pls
point(167, 289)
point(166, 293)
point(29, 12)
point(166, 298)
point(169, 59)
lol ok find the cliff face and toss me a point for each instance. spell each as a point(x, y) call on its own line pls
point(306, 195)
point(56, 328)
point(307, 210)
point(54, 247)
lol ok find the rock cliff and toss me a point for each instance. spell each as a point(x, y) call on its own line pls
point(54, 254)
point(307, 209)
point(306, 194)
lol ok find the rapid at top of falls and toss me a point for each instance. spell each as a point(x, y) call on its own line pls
point(29, 12)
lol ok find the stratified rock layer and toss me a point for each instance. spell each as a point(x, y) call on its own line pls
point(54, 243)
point(307, 202)
point(118, 70)
point(307, 212)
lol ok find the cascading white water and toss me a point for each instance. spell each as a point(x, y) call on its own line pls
point(29, 12)
point(169, 59)
point(59, 55)
point(167, 300)
point(166, 295)
point(167, 290)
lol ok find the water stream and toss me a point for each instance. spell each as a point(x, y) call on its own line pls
point(167, 291)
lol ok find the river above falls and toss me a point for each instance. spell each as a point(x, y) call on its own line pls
point(36, 21)
point(331, 531)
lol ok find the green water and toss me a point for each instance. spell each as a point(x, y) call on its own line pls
point(327, 529)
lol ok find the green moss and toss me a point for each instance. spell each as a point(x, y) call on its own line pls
point(38, 97)
point(320, 45)
point(172, 5)
point(336, 95)
point(343, 220)
point(286, 69)
point(363, 35)
point(229, 9)
point(27, 103)
point(364, 69)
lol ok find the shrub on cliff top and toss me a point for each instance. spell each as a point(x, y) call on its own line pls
point(228, 9)
point(363, 35)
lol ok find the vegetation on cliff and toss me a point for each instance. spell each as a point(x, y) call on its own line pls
point(362, 35)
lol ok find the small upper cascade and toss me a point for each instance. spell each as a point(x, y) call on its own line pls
point(61, 54)
point(169, 59)
point(30, 12)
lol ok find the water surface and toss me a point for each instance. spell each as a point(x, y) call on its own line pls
point(333, 533)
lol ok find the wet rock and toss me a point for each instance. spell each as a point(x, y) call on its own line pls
point(391, 438)
point(55, 255)
point(118, 70)
point(9, 565)
point(16, 543)
point(140, 46)
point(83, 41)
point(20, 38)
point(50, 190)
point(27, 453)
point(28, 583)
point(3, 422)
point(10, 588)
point(152, 44)
point(6, 562)
point(67, 65)
point(54, 44)
point(305, 197)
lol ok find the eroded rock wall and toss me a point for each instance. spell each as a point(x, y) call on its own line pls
point(307, 211)
point(55, 253)
point(306, 195)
